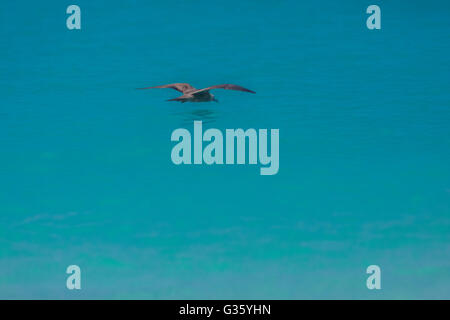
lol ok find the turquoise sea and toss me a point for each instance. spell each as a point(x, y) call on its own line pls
point(86, 176)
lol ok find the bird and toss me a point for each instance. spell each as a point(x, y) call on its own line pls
point(191, 94)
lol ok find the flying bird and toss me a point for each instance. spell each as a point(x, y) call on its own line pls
point(192, 94)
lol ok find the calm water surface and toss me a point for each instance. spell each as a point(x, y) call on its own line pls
point(86, 176)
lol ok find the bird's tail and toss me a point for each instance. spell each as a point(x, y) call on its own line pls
point(182, 100)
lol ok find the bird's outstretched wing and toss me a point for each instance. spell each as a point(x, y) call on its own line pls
point(224, 86)
point(182, 87)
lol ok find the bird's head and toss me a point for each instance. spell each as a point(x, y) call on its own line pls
point(214, 98)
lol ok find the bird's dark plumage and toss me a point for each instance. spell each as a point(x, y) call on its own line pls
point(192, 94)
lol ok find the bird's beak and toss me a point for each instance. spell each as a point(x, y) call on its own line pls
point(215, 100)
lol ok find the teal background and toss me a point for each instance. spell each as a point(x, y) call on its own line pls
point(86, 176)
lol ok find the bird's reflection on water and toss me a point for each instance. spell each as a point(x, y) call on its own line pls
point(205, 115)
